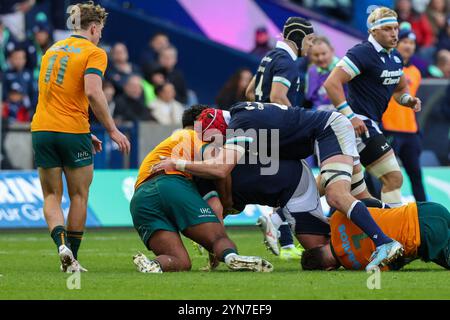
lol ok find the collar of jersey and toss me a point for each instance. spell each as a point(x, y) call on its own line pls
point(78, 36)
point(227, 116)
point(285, 47)
point(378, 46)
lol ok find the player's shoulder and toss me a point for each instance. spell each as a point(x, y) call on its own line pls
point(361, 49)
point(92, 48)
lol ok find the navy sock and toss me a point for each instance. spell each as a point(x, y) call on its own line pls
point(285, 235)
point(362, 218)
point(59, 236)
point(74, 238)
point(227, 252)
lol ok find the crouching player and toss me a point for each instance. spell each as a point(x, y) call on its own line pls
point(423, 228)
point(167, 203)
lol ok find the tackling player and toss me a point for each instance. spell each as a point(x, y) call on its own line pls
point(423, 228)
point(373, 71)
point(298, 130)
point(70, 80)
point(166, 203)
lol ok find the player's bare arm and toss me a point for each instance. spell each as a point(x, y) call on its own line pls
point(99, 105)
point(334, 85)
point(216, 168)
point(278, 94)
point(250, 91)
point(402, 96)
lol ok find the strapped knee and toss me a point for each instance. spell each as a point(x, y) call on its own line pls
point(333, 172)
point(385, 166)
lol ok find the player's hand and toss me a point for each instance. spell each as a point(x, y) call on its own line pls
point(96, 144)
point(415, 104)
point(166, 165)
point(121, 140)
point(359, 126)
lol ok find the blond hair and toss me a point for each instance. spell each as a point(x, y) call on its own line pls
point(380, 13)
point(82, 15)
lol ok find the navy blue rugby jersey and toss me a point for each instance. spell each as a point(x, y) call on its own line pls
point(249, 186)
point(279, 65)
point(297, 127)
point(376, 75)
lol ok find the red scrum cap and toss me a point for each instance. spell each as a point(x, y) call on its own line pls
point(213, 119)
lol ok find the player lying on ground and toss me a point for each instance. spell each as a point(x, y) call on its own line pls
point(298, 130)
point(423, 228)
point(166, 204)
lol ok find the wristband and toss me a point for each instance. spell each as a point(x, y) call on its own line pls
point(180, 165)
point(345, 109)
point(404, 99)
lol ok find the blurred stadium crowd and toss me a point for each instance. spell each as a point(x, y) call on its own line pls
point(154, 88)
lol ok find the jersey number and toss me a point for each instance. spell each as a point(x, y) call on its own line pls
point(258, 89)
point(62, 68)
point(357, 238)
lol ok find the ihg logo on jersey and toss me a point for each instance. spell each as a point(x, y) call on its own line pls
point(82, 155)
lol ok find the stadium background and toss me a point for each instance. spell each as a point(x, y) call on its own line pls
point(211, 47)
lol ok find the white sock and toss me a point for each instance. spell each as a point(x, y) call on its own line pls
point(276, 220)
point(289, 246)
point(228, 257)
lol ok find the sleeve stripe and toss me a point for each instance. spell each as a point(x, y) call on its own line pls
point(210, 195)
point(239, 139)
point(95, 71)
point(284, 81)
point(351, 65)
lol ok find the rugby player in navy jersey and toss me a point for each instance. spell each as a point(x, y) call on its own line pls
point(277, 80)
point(277, 77)
point(374, 73)
point(292, 188)
point(296, 131)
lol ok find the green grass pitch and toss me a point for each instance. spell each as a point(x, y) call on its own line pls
point(29, 269)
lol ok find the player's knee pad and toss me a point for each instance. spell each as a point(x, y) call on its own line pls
point(374, 149)
point(332, 172)
point(385, 166)
point(358, 183)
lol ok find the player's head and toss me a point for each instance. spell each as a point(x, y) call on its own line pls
point(89, 19)
point(319, 258)
point(213, 123)
point(191, 114)
point(300, 33)
point(383, 26)
point(322, 52)
point(406, 41)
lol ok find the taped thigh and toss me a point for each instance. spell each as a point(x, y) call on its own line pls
point(358, 183)
point(333, 172)
point(385, 166)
